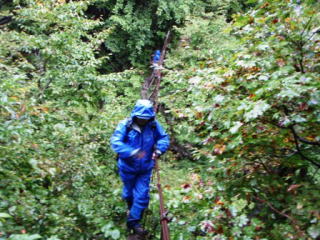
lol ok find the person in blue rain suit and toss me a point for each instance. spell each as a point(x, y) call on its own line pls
point(138, 140)
point(156, 56)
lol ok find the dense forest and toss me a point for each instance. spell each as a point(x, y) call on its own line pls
point(239, 98)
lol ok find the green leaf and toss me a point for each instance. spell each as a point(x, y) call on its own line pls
point(53, 238)
point(115, 234)
point(24, 237)
point(314, 231)
point(257, 110)
point(4, 215)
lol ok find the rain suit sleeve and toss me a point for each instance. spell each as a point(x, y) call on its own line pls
point(162, 141)
point(118, 142)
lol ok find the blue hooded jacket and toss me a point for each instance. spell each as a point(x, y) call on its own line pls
point(157, 56)
point(128, 139)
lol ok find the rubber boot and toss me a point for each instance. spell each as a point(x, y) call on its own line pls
point(139, 230)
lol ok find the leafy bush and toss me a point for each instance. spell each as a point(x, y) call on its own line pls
point(247, 103)
point(57, 115)
point(242, 96)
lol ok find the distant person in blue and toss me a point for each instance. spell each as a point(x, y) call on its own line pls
point(138, 140)
point(156, 57)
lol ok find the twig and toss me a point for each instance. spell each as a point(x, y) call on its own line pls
point(265, 166)
point(299, 149)
point(305, 28)
point(292, 219)
point(296, 140)
point(315, 173)
point(301, 139)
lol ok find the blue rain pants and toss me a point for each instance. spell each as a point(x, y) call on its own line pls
point(136, 193)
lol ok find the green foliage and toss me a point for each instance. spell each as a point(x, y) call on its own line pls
point(135, 28)
point(244, 96)
point(126, 32)
point(248, 103)
point(57, 115)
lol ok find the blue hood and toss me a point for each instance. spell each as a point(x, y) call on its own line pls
point(143, 109)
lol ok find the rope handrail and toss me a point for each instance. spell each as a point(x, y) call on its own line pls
point(154, 81)
point(163, 213)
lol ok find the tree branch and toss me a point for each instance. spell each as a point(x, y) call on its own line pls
point(265, 166)
point(301, 139)
point(296, 140)
point(292, 219)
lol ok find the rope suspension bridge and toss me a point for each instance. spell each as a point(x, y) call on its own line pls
point(150, 90)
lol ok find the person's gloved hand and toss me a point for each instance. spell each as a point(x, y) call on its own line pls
point(140, 154)
point(156, 154)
